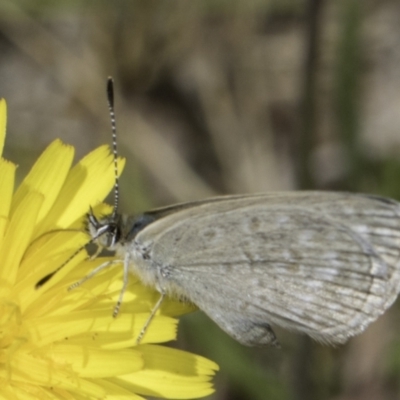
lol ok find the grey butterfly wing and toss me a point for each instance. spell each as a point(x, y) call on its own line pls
point(325, 264)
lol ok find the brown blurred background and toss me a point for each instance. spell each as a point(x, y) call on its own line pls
point(221, 97)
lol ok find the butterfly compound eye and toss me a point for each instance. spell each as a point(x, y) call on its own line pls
point(113, 235)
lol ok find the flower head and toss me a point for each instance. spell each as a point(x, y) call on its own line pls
point(60, 344)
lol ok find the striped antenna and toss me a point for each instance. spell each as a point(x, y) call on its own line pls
point(110, 98)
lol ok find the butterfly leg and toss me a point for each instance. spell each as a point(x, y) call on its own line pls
point(124, 285)
point(150, 318)
point(93, 273)
point(96, 253)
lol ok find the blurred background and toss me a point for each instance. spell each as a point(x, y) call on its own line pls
point(216, 97)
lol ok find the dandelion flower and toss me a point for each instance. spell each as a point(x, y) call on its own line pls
point(60, 344)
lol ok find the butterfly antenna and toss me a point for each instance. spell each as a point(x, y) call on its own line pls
point(110, 99)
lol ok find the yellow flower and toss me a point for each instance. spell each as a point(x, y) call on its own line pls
point(60, 344)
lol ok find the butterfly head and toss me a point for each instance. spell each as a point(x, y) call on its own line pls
point(105, 231)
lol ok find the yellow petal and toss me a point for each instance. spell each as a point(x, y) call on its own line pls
point(116, 392)
point(47, 253)
point(170, 373)
point(47, 176)
point(87, 184)
point(3, 123)
point(97, 325)
point(59, 344)
point(7, 174)
point(27, 368)
point(94, 362)
point(18, 235)
point(37, 302)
